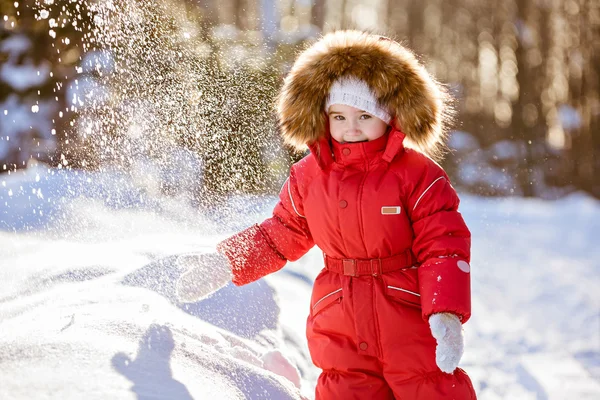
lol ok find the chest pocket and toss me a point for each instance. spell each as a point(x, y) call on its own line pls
point(360, 216)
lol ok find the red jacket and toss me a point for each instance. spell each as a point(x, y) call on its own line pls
point(376, 209)
point(370, 200)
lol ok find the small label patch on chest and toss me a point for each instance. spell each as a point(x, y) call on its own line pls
point(390, 210)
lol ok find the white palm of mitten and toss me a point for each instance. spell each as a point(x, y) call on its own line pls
point(205, 274)
point(446, 328)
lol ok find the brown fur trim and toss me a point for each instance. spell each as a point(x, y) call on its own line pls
point(402, 85)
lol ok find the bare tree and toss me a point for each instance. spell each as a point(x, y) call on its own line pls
point(318, 14)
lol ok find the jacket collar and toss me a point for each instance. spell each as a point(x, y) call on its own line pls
point(327, 151)
point(359, 153)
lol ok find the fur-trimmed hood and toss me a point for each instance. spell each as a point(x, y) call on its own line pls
point(418, 104)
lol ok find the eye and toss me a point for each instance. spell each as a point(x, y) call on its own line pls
point(365, 116)
point(338, 118)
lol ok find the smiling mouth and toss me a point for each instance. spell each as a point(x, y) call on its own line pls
point(355, 141)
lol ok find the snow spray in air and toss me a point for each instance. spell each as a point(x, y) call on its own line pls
point(175, 102)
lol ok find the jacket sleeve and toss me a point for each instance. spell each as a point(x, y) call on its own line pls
point(442, 245)
point(265, 248)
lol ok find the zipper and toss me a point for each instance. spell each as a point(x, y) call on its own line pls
point(360, 210)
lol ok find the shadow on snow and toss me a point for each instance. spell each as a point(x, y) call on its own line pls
point(150, 372)
point(244, 311)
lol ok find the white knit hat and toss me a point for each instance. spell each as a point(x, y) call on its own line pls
point(354, 92)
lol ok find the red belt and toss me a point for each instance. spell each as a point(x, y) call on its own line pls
point(373, 266)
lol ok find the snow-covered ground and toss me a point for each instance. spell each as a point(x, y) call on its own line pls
point(87, 306)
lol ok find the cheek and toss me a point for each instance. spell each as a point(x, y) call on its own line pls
point(376, 131)
point(336, 133)
point(335, 130)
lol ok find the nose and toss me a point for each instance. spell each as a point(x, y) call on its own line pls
point(353, 128)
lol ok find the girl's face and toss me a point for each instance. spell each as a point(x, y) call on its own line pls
point(348, 124)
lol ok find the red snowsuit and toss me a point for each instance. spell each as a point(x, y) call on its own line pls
point(396, 250)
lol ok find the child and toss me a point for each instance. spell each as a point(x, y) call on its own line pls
point(395, 248)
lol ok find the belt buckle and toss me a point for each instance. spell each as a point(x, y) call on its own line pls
point(349, 265)
point(376, 267)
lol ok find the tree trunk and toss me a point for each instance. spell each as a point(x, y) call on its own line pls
point(584, 95)
point(526, 91)
point(318, 14)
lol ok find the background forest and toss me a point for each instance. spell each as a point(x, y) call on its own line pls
point(180, 93)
